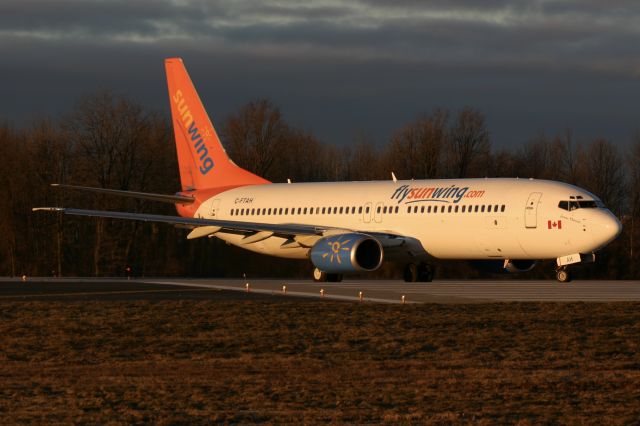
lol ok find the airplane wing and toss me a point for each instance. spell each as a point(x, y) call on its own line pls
point(305, 235)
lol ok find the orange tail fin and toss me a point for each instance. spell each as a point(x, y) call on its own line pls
point(202, 159)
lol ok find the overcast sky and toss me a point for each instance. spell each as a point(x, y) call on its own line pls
point(338, 68)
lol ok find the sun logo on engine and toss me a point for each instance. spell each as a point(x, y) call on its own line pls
point(337, 247)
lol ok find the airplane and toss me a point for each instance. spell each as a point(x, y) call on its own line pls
point(351, 227)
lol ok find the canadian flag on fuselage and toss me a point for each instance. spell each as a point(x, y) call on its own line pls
point(203, 162)
point(552, 224)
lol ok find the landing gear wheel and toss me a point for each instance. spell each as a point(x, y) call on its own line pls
point(425, 272)
point(411, 273)
point(334, 278)
point(319, 276)
point(563, 275)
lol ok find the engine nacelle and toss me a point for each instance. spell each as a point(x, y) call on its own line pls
point(345, 253)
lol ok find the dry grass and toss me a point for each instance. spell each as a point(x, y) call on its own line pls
point(179, 362)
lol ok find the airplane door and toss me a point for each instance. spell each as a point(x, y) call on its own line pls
point(366, 213)
point(531, 210)
point(214, 208)
point(377, 214)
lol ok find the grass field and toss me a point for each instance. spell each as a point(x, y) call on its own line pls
point(184, 362)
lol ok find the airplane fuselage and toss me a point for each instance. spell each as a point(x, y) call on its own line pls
point(447, 219)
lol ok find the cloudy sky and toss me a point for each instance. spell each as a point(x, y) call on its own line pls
point(338, 68)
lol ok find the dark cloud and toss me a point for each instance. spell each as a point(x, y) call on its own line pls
point(339, 68)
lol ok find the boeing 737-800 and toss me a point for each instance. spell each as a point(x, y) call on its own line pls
point(350, 227)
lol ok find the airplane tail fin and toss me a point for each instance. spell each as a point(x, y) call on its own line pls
point(202, 159)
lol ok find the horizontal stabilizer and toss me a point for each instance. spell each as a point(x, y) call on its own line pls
point(174, 199)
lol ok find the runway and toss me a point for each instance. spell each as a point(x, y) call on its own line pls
point(444, 291)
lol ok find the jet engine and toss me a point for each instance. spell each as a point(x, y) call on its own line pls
point(345, 253)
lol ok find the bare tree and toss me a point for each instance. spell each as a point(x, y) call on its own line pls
point(602, 173)
point(633, 167)
point(415, 151)
point(255, 136)
point(469, 144)
point(110, 135)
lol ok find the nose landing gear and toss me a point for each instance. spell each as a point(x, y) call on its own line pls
point(563, 275)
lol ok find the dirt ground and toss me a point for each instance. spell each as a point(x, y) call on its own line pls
point(271, 361)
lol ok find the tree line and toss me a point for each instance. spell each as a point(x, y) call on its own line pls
point(113, 142)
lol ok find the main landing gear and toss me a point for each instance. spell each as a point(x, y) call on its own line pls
point(422, 272)
point(321, 277)
point(563, 275)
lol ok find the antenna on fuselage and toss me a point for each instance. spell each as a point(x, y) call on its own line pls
point(393, 176)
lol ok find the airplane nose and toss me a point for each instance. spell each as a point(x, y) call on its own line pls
point(610, 228)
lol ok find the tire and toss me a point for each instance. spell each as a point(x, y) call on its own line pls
point(425, 273)
point(319, 276)
point(334, 278)
point(411, 273)
point(563, 276)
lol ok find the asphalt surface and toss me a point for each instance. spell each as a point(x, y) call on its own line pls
point(115, 290)
point(446, 291)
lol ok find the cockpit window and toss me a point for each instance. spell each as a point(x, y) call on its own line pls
point(590, 204)
point(581, 204)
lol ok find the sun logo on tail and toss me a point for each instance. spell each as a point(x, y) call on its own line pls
point(337, 247)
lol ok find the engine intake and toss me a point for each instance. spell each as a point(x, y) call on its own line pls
point(347, 253)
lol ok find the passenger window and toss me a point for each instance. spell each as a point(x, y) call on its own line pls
point(503, 207)
point(409, 209)
point(384, 210)
point(442, 209)
point(482, 208)
point(428, 209)
point(476, 209)
point(456, 209)
point(463, 209)
point(449, 209)
point(335, 210)
point(397, 208)
point(367, 210)
point(360, 210)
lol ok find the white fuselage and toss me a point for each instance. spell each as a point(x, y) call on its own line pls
point(449, 219)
